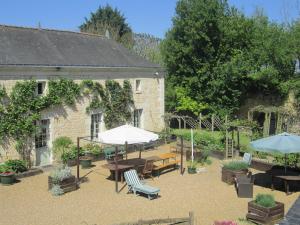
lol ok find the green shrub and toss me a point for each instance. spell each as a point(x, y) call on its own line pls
point(93, 148)
point(202, 138)
point(61, 145)
point(5, 168)
point(71, 154)
point(61, 173)
point(265, 200)
point(16, 165)
point(191, 164)
point(293, 159)
point(236, 165)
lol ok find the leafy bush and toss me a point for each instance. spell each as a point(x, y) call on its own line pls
point(61, 173)
point(93, 148)
point(61, 145)
point(191, 164)
point(293, 159)
point(265, 200)
point(236, 165)
point(203, 139)
point(56, 190)
point(72, 154)
point(16, 165)
point(5, 168)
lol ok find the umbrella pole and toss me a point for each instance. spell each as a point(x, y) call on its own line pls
point(140, 154)
point(116, 171)
point(126, 148)
point(285, 158)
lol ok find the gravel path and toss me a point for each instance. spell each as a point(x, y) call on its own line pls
point(29, 203)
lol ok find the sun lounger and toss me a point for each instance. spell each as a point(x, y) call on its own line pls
point(135, 185)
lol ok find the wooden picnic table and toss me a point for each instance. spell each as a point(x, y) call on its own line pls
point(124, 165)
point(286, 180)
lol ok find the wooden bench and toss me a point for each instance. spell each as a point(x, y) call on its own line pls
point(167, 163)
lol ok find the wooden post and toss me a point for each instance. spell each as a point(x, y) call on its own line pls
point(78, 152)
point(238, 139)
point(179, 123)
point(212, 122)
point(140, 154)
point(200, 121)
point(181, 155)
point(126, 148)
point(191, 218)
point(226, 137)
point(184, 123)
point(116, 170)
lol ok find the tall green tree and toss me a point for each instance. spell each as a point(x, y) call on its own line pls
point(112, 20)
point(218, 56)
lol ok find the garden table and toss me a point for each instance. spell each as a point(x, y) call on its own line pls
point(124, 165)
point(286, 180)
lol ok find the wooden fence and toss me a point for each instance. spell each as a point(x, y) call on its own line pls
point(170, 221)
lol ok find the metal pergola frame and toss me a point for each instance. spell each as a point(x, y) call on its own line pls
point(89, 138)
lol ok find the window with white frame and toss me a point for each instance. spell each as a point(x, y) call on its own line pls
point(95, 125)
point(40, 89)
point(138, 86)
point(137, 115)
point(42, 135)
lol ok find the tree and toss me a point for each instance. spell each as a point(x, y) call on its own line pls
point(218, 56)
point(109, 19)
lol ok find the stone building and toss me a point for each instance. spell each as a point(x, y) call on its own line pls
point(41, 54)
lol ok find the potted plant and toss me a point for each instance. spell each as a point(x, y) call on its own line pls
point(264, 209)
point(7, 175)
point(61, 180)
point(192, 167)
point(85, 162)
point(61, 146)
point(233, 169)
point(93, 150)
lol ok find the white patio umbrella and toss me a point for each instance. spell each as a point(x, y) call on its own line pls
point(124, 135)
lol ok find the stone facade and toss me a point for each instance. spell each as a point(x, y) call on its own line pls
point(74, 121)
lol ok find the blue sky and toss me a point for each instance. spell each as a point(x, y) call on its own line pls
point(144, 16)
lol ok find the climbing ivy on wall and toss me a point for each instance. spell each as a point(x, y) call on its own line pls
point(115, 101)
point(20, 110)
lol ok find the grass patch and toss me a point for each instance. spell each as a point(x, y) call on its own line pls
point(236, 165)
point(265, 200)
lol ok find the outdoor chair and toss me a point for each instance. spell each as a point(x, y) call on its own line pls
point(147, 170)
point(247, 158)
point(135, 185)
point(244, 185)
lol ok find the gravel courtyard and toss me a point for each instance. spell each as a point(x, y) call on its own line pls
point(95, 202)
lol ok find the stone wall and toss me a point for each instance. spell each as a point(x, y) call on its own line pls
point(74, 121)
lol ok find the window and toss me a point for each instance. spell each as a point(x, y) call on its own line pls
point(138, 86)
point(137, 115)
point(41, 137)
point(95, 125)
point(40, 88)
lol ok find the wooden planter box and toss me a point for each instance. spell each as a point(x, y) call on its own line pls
point(261, 165)
point(28, 173)
point(67, 185)
point(262, 215)
point(229, 175)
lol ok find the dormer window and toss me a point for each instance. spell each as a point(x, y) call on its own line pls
point(40, 87)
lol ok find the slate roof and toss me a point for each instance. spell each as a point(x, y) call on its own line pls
point(293, 215)
point(43, 47)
